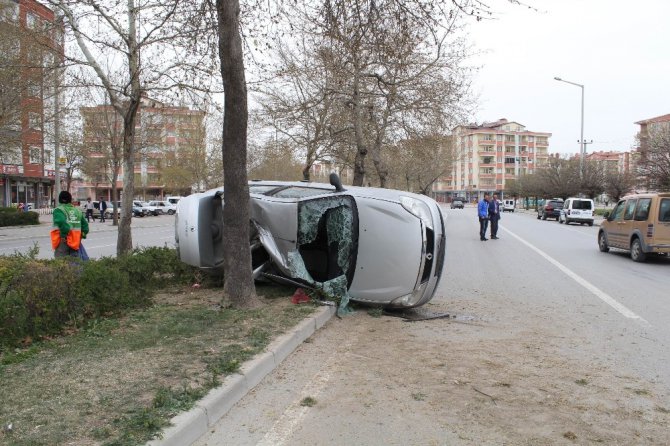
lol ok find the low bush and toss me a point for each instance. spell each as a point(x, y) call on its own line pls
point(40, 298)
point(12, 217)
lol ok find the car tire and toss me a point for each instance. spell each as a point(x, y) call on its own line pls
point(170, 212)
point(590, 223)
point(636, 252)
point(561, 221)
point(602, 243)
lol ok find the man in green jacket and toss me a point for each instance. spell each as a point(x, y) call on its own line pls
point(71, 224)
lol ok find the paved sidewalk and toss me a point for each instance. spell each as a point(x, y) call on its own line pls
point(189, 426)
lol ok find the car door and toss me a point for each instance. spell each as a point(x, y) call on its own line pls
point(662, 232)
point(613, 225)
point(624, 225)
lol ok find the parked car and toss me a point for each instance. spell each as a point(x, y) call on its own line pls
point(457, 204)
point(173, 199)
point(109, 211)
point(639, 224)
point(508, 205)
point(146, 208)
point(378, 246)
point(577, 210)
point(550, 209)
point(164, 207)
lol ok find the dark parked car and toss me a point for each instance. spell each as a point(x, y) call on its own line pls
point(457, 204)
point(550, 209)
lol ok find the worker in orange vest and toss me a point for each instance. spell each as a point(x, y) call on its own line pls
point(69, 227)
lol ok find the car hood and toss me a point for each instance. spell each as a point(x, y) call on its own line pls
point(386, 270)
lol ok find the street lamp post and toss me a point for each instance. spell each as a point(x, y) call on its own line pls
point(582, 149)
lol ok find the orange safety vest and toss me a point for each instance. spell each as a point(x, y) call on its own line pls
point(73, 219)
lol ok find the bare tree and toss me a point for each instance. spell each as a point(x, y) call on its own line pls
point(654, 163)
point(238, 285)
point(618, 184)
point(124, 44)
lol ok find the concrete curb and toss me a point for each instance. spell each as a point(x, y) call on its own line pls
point(187, 427)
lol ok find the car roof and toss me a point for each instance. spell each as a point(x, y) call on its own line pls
point(647, 195)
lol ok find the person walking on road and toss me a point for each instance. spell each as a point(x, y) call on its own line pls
point(70, 227)
point(102, 204)
point(494, 216)
point(483, 213)
point(89, 210)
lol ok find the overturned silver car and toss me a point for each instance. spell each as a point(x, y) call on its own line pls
point(376, 246)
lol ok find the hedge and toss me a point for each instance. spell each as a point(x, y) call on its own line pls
point(40, 298)
point(12, 217)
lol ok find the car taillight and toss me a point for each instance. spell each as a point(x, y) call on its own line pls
point(650, 231)
point(549, 208)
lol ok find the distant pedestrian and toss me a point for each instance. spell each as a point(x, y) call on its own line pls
point(103, 207)
point(494, 216)
point(69, 227)
point(483, 214)
point(89, 210)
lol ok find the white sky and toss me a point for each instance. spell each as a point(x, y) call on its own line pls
point(618, 49)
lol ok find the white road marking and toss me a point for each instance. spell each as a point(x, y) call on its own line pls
point(609, 300)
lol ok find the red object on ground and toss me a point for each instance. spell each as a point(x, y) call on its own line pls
point(299, 297)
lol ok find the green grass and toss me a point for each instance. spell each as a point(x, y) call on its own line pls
point(117, 382)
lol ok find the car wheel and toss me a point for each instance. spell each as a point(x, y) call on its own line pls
point(636, 252)
point(170, 212)
point(560, 220)
point(602, 243)
point(590, 223)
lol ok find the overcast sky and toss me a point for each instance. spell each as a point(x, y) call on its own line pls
point(618, 49)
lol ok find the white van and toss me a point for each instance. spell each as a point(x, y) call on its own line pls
point(508, 205)
point(577, 210)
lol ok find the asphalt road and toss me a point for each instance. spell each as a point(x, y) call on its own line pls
point(583, 313)
point(101, 240)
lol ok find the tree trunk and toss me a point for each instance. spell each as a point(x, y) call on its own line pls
point(124, 242)
point(238, 286)
point(361, 148)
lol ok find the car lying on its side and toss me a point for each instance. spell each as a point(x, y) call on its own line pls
point(377, 246)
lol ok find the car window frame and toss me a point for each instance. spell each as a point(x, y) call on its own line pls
point(629, 211)
point(639, 207)
point(664, 214)
point(614, 216)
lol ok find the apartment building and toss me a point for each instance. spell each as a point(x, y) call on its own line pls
point(30, 48)
point(166, 137)
point(489, 155)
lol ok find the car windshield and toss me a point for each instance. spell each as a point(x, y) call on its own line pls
point(327, 240)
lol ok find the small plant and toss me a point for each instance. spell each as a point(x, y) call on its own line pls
point(419, 396)
point(308, 402)
point(375, 312)
point(581, 382)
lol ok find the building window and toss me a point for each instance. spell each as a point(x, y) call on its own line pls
point(34, 121)
point(531, 138)
point(32, 21)
point(34, 152)
point(509, 171)
point(47, 157)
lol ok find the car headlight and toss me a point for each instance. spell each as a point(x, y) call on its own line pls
point(419, 209)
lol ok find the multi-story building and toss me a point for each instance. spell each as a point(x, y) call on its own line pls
point(651, 129)
point(30, 49)
point(166, 137)
point(611, 161)
point(489, 155)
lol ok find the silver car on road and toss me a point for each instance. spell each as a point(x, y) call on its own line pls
point(379, 246)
